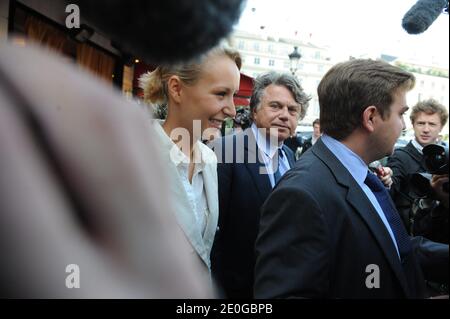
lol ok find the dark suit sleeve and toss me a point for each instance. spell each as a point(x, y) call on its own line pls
point(290, 156)
point(433, 258)
point(224, 176)
point(292, 247)
point(398, 163)
point(306, 145)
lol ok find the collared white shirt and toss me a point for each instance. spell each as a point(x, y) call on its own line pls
point(270, 155)
point(196, 191)
point(417, 146)
point(314, 140)
point(358, 169)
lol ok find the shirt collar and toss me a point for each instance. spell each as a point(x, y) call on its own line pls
point(417, 145)
point(314, 139)
point(351, 161)
point(176, 155)
point(269, 149)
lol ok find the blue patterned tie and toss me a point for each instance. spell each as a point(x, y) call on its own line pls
point(277, 173)
point(401, 236)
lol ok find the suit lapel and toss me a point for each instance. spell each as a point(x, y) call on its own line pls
point(261, 180)
point(359, 201)
point(254, 164)
point(289, 155)
point(357, 198)
point(185, 215)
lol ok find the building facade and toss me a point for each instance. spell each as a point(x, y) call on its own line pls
point(264, 53)
point(25, 22)
point(431, 82)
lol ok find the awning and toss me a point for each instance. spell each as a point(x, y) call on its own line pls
point(242, 97)
point(241, 101)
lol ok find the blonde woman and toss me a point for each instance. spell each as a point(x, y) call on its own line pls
point(199, 96)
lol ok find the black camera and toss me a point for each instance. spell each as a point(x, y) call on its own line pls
point(435, 158)
point(242, 118)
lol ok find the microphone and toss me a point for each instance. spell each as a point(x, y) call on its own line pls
point(377, 168)
point(422, 15)
point(163, 31)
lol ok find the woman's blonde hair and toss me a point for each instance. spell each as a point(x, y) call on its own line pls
point(154, 83)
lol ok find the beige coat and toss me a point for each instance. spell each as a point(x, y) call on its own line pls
point(180, 202)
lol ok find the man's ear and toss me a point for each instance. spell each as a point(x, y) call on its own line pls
point(253, 114)
point(174, 87)
point(369, 118)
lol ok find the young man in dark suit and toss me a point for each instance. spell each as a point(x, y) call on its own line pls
point(329, 228)
point(314, 137)
point(428, 117)
point(249, 166)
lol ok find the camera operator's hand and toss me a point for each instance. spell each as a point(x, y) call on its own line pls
point(386, 176)
point(437, 182)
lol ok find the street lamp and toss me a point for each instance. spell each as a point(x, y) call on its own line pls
point(294, 58)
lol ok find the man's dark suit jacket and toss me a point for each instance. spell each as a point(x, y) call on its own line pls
point(294, 142)
point(242, 191)
point(319, 233)
point(404, 162)
point(307, 144)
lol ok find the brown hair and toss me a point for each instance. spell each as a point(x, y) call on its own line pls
point(154, 83)
point(316, 121)
point(429, 107)
point(348, 88)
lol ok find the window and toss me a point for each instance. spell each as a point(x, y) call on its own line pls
point(256, 46)
point(257, 60)
point(317, 55)
point(270, 48)
point(241, 45)
point(320, 68)
point(271, 62)
point(287, 64)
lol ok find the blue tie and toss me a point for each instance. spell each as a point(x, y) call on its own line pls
point(401, 236)
point(277, 173)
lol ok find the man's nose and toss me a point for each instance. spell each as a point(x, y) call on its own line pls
point(284, 114)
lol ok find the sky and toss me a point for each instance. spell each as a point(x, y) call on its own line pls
point(352, 27)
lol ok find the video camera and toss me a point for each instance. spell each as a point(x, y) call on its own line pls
point(242, 118)
point(436, 163)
